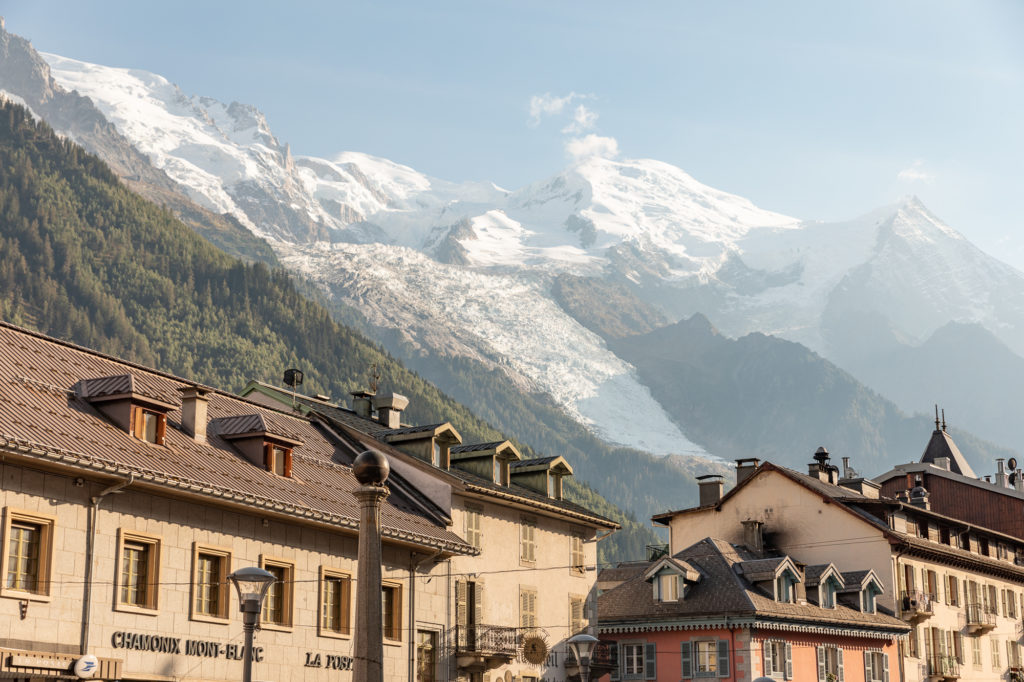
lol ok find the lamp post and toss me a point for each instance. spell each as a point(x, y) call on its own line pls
point(582, 646)
point(252, 585)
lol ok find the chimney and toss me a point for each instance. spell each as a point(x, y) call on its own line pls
point(745, 468)
point(389, 409)
point(1000, 472)
point(820, 468)
point(919, 497)
point(362, 404)
point(193, 412)
point(753, 535)
point(942, 462)
point(710, 486)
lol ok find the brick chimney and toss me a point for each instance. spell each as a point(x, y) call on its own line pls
point(362, 404)
point(745, 468)
point(193, 412)
point(389, 409)
point(753, 535)
point(710, 486)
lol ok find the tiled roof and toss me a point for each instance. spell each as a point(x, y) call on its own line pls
point(476, 447)
point(536, 461)
point(255, 422)
point(423, 428)
point(41, 417)
point(722, 592)
point(126, 383)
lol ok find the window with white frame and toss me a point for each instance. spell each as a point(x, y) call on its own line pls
point(830, 664)
point(876, 666)
point(631, 658)
point(778, 659)
point(705, 658)
point(785, 584)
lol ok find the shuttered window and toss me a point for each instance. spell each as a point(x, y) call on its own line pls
point(528, 539)
point(527, 607)
point(830, 662)
point(576, 616)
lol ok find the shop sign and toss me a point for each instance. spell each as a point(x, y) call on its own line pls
point(45, 662)
point(175, 645)
point(330, 661)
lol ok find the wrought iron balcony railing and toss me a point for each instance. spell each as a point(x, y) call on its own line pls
point(486, 639)
point(946, 667)
point(979, 617)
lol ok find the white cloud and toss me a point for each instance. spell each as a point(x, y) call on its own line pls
point(916, 173)
point(548, 105)
point(583, 119)
point(592, 145)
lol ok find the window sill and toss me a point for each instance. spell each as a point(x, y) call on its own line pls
point(392, 642)
point(275, 627)
point(203, 618)
point(331, 634)
point(138, 610)
point(11, 593)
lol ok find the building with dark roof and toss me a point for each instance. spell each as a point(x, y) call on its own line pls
point(958, 585)
point(514, 604)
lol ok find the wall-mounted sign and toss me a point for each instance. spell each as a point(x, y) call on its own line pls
point(44, 662)
point(86, 666)
point(189, 647)
point(330, 661)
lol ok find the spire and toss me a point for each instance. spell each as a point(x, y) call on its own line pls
point(942, 445)
point(943, 419)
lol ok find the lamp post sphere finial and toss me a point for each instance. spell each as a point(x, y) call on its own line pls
point(371, 468)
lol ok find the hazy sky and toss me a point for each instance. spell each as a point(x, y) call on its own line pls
point(812, 109)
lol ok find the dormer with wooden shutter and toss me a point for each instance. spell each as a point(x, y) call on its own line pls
point(262, 440)
point(137, 404)
point(489, 461)
point(543, 475)
point(431, 443)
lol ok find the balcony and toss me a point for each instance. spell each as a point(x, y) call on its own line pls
point(479, 648)
point(601, 662)
point(979, 619)
point(943, 668)
point(916, 606)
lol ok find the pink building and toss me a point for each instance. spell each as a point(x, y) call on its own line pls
point(719, 611)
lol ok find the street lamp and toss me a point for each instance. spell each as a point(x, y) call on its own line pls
point(582, 646)
point(252, 585)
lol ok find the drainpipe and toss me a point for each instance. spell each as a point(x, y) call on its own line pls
point(900, 642)
point(448, 622)
point(90, 548)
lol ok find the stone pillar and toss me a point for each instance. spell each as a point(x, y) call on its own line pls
point(371, 470)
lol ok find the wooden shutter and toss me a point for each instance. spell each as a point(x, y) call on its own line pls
point(821, 664)
point(613, 650)
point(885, 667)
point(268, 456)
point(789, 661)
point(769, 665)
point(133, 421)
point(1002, 598)
point(161, 428)
point(288, 463)
point(867, 666)
point(839, 656)
point(478, 609)
point(686, 659)
point(958, 647)
point(650, 661)
point(460, 603)
point(723, 658)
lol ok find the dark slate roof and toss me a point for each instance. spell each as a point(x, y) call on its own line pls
point(476, 447)
point(536, 461)
point(423, 428)
point(622, 571)
point(941, 445)
point(853, 579)
point(812, 574)
point(42, 417)
point(720, 592)
point(255, 422)
point(124, 384)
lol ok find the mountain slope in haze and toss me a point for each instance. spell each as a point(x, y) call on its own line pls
point(83, 258)
point(750, 396)
point(24, 73)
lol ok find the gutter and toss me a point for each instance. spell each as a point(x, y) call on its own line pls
point(90, 548)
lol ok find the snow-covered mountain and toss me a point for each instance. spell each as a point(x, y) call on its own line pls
point(466, 269)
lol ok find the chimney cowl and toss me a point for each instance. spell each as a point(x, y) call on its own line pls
point(389, 409)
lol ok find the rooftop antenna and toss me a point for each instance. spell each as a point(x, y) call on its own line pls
point(293, 378)
point(936, 416)
point(374, 375)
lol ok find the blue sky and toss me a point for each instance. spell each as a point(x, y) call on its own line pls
point(818, 110)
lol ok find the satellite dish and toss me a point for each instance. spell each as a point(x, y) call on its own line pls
point(1012, 463)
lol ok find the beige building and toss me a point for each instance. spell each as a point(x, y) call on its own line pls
point(511, 607)
point(129, 495)
point(959, 585)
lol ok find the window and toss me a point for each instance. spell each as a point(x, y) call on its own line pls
point(994, 645)
point(210, 568)
point(830, 664)
point(868, 596)
point(944, 536)
point(1012, 653)
point(527, 539)
point(922, 529)
point(577, 619)
point(426, 656)
point(435, 453)
point(554, 486)
point(278, 459)
point(474, 536)
point(148, 425)
point(976, 651)
point(778, 659)
point(137, 577)
point(992, 606)
point(983, 546)
point(952, 590)
point(632, 658)
point(667, 587)
point(1011, 604)
point(876, 666)
point(391, 611)
point(527, 607)
point(705, 658)
point(500, 471)
point(827, 593)
point(335, 603)
point(576, 560)
point(277, 605)
point(914, 643)
point(784, 585)
point(26, 563)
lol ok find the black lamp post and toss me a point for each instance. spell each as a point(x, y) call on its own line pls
point(582, 646)
point(252, 584)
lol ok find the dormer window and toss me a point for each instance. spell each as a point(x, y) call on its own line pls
point(667, 587)
point(785, 587)
point(278, 459)
point(554, 486)
point(501, 471)
point(868, 596)
point(435, 457)
point(670, 579)
point(148, 425)
point(827, 593)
